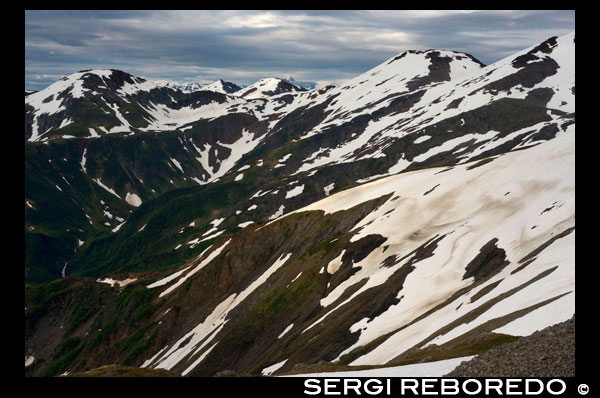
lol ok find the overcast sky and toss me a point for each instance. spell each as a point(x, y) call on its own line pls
point(244, 46)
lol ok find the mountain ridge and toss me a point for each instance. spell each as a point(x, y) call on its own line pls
point(303, 226)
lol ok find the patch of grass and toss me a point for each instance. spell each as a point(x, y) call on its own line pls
point(83, 313)
point(140, 346)
point(68, 351)
point(39, 296)
point(44, 293)
point(325, 245)
point(80, 315)
point(66, 346)
point(133, 339)
point(138, 294)
point(142, 313)
point(104, 333)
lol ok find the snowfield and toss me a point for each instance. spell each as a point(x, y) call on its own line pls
point(468, 208)
point(428, 369)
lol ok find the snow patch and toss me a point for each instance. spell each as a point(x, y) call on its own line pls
point(133, 199)
point(294, 191)
point(278, 213)
point(287, 329)
point(269, 370)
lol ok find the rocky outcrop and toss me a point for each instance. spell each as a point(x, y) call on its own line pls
point(549, 352)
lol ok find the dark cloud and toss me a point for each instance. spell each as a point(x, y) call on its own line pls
point(243, 46)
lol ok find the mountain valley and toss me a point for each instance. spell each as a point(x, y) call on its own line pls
point(423, 209)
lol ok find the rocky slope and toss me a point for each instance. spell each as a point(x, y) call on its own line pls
point(549, 352)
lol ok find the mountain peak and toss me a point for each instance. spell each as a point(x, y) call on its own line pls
point(219, 86)
point(267, 87)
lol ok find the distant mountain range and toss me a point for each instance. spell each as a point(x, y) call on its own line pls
point(304, 84)
point(423, 210)
point(218, 86)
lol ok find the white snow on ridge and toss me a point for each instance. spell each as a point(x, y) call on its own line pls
point(165, 118)
point(109, 281)
point(97, 180)
point(564, 79)
point(197, 361)
point(167, 279)
point(258, 89)
point(39, 100)
point(125, 126)
point(130, 89)
point(197, 268)
point(360, 95)
point(242, 146)
point(113, 282)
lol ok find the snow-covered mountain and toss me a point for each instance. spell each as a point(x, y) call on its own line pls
point(268, 87)
point(219, 86)
point(303, 84)
point(112, 101)
point(363, 224)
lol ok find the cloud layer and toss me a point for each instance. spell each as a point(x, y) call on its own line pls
point(243, 46)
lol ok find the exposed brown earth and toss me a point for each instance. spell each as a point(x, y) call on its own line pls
point(124, 371)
